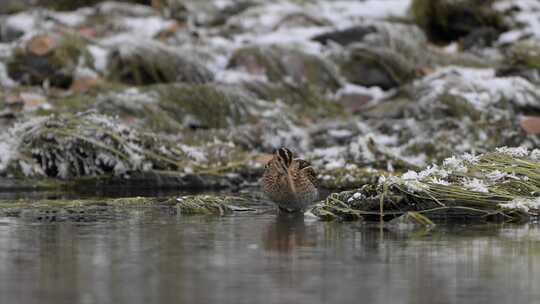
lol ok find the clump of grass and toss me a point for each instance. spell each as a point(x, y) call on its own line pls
point(500, 185)
point(209, 204)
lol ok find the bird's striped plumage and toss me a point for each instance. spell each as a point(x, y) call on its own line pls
point(290, 182)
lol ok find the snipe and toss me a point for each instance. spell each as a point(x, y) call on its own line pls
point(289, 182)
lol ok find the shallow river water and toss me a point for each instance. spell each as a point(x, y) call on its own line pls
point(156, 257)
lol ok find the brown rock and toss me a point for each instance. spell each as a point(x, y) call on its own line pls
point(531, 124)
point(41, 45)
point(84, 84)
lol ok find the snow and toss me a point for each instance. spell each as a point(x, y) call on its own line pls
point(376, 93)
point(345, 13)
point(71, 19)
point(523, 204)
point(145, 26)
point(476, 185)
point(525, 13)
point(23, 22)
point(5, 80)
point(11, 139)
point(514, 152)
point(481, 88)
point(100, 56)
point(193, 152)
point(455, 164)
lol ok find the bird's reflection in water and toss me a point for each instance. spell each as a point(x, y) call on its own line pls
point(287, 233)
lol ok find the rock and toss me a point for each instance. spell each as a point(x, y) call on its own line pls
point(300, 20)
point(305, 99)
point(286, 64)
point(367, 66)
point(8, 33)
point(388, 56)
point(146, 62)
point(47, 58)
point(410, 221)
point(68, 5)
point(523, 60)
point(480, 38)
point(525, 53)
point(449, 20)
point(29, 101)
point(41, 45)
point(346, 36)
point(176, 107)
point(83, 84)
point(531, 124)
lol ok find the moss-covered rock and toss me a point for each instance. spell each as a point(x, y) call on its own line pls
point(286, 64)
point(150, 62)
point(448, 20)
point(33, 66)
point(88, 144)
point(305, 99)
point(175, 107)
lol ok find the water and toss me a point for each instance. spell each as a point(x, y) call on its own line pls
point(156, 257)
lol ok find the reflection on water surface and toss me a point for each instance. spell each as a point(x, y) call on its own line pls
point(156, 257)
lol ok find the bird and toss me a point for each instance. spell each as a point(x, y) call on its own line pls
point(291, 183)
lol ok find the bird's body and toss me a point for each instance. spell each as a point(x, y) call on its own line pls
point(290, 182)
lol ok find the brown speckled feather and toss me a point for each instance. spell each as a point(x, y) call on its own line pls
point(290, 183)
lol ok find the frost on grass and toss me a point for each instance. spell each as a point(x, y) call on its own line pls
point(494, 185)
point(90, 144)
point(523, 16)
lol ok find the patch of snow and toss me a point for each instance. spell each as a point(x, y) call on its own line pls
point(193, 153)
point(523, 204)
point(23, 22)
point(342, 133)
point(346, 13)
point(100, 56)
point(11, 139)
point(476, 185)
point(72, 19)
point(5, 80)
point(376, 93)
point(410, 175)
point(455, 164)
point(145, 26)
point(335, 164)
point(524, 14)
point(535, 154)
point(480, 87)
point(514, 151)
point(439, 181)
point(235, 76)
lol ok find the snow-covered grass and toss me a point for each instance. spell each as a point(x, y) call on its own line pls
point(525, 14)
point(481, 88)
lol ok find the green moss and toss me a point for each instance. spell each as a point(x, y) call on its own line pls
point(448, 20)
point(457, 106)
point(209, 204)
point(525, 53)
point(58, 67)
point(280, 63)
point(12, 7)
point(306, 100)
point(212, 106)
point(95, 209)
